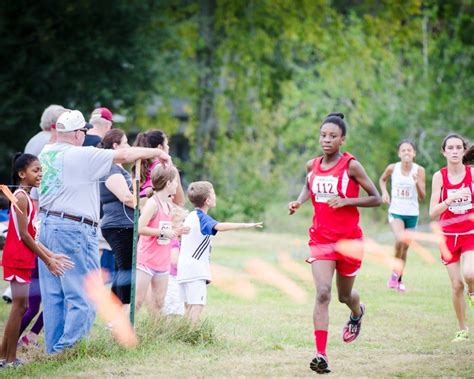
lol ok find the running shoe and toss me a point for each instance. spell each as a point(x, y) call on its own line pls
point(461, 336)
point(352, 328)
point(320, 364)
point(401, 287)
point(17, 363)
point(393, 281)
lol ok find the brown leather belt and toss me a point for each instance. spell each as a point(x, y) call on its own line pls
point(69, 217)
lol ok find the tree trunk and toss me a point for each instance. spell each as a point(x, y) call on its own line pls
point(206, 131)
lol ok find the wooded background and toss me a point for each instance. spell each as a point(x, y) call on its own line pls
point(245, 84)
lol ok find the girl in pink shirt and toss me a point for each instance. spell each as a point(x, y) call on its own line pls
point(154, 138)
point(156, 233)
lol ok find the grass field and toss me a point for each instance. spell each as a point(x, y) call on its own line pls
point(403, 335)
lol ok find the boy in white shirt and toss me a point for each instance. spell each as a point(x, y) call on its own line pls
point(193, 265)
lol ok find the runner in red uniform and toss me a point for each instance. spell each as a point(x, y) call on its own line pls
point(451, 201)
point(19, 253)
point(333, 182)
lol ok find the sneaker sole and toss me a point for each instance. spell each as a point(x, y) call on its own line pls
point(319, 366)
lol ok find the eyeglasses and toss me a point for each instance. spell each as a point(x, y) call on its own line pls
point(83, 130)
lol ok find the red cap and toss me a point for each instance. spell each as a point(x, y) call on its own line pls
point(102, 112)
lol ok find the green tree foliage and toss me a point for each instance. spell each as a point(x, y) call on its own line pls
point(79, 54)
point(258, 77)
point(267, 73)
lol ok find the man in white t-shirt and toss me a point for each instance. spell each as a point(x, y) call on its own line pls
point(69, 213)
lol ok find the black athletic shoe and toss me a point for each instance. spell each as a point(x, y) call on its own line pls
point(320, 364)
point(352, 328)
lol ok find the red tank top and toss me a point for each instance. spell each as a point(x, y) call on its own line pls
point(333, 223)
point(15, 253)
point(458, 217)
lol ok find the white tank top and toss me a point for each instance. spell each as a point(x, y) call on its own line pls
point(404, 200)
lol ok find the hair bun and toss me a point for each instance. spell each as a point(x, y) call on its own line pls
point(336, 114)
point(17, 155)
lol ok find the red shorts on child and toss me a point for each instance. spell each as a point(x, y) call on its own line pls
point(456, 244)
point(348, 263)
point(19, 275)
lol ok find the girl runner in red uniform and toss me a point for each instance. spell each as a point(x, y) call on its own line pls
point(20, 251)
point(333, 182)
point(451, 201)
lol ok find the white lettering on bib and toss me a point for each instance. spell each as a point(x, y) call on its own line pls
point(324, 188)
point(460, 206)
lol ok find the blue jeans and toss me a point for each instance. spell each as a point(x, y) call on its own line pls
point(68, 314)
point(107, 263)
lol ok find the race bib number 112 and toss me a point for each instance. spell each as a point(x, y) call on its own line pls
point(324, 187)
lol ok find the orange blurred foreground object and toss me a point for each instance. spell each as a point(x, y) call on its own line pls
point(233, 282)
point(10, 196)
point(288, 264)
point(110, 309)
point(445, 253)
point(422, 251)
point(351, 248)
point(370, 250)
point(267, 274)
point(410, 235)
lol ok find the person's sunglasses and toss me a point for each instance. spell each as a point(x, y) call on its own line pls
point(83, 130)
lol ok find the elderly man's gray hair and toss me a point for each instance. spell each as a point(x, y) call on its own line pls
point(50, 116)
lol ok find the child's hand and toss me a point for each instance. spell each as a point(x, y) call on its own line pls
point(55, 268)
point(293, 206)
point(58, 264)
point(258, 225)
point(170, 234)
point(65, 261)
point(180, 230)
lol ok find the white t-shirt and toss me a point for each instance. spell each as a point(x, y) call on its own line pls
point(404, 200)
point(70, 182)
point(37, 142)
point(194, 256)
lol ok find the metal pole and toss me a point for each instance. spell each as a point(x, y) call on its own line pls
point(136, 215)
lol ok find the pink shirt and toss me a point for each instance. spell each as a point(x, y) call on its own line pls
point(147, 183)
point(175, 244)
point(155, 252)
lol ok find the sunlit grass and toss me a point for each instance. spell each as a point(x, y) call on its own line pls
point(402, 335)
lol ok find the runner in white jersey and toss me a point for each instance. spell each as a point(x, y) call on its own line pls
point(408, 187)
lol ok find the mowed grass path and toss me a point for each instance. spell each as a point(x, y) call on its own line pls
point(271, 336)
